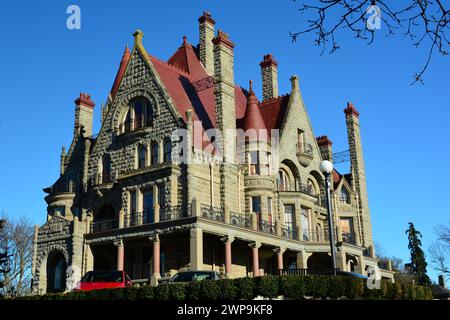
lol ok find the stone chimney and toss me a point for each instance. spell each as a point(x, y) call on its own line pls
point(224, 91)
point(206, 28)
point(224, 82)
point(84, 114)
point(269, 73)
point(325, 147)
point(358, 170)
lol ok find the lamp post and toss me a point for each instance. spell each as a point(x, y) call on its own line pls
point(327, 167)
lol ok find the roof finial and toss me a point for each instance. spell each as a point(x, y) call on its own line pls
point(138, 35)
point(184, 40)
point(251, 84)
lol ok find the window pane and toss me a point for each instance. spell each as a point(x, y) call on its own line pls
point(256, 204)
point(148, 206)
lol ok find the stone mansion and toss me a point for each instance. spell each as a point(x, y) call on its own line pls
point(122, 202)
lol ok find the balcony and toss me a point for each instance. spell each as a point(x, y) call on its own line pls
point(104, 225)
point(305, 153)
point(311, 235)
point(240, 220)
point(212, 213)
point(266, 226)
point(349, 238)
point(289, 232)
point(136, 124)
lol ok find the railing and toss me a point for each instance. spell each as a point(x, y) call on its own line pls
point(314, 235)
point(305, 188)
point(266, 226)
point(135, 124)
point(344, 200)
point(304, 149)
point(212, 213)
point(348, 238)
point(306, 272)
point(103, 225)
point(289, 232)
point(138, 218)
point(240, 220)
point(174, 212)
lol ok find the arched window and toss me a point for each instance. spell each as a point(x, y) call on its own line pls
point(71, 183)
point(283, 181)
point(139, 115)
point(155, 154)
point(106, 169)
point(142, 157)
point(167, 151)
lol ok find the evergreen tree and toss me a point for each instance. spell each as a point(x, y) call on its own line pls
point(418, 266)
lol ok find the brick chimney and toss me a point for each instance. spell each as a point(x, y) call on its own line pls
point(84, 114)
point(206, 28)
point(325, 147)
point(269, 73)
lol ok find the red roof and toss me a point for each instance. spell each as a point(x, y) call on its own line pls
point(273, 111)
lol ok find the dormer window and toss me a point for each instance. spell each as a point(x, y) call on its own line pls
point(139, 115)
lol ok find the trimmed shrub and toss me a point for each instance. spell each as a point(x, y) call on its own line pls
point(244, 288)
point(290, 286)
point(266, 286)
point(227, 290)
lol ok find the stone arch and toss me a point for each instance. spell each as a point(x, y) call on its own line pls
point(293, 173)
point(41, 264)
point(56, 269)
point(123, 105)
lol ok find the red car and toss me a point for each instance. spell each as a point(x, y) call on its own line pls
point(95, 280)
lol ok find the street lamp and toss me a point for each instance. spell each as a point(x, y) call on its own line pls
point(327, 167)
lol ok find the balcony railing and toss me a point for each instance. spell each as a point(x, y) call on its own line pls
point(135, 124)
point(306, 272)
point(304, 149)
point(348, 238)
point(266, 226)
point(289, 232)
point(240, 220)
point(103, 225)
point(212, 213)
point(315, 235)
point(139, 218)
point(174, 212)
point(305, 188)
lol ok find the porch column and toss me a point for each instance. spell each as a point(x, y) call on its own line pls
point(255, 246)
point(196, 249)
point(302, 260)
point(155, 261)
point(228, 261)
point(120, 254)
point(279, 251)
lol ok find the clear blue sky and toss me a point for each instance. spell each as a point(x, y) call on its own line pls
point(405, 128)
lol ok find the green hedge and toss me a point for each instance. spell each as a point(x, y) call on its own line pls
point(291, 287)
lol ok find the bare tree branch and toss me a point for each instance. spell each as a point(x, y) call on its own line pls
point(425, 23)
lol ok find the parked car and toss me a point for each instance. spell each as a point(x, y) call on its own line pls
point(94, 280)
point(193, 276)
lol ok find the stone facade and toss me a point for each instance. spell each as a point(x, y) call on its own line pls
point(123, 202)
